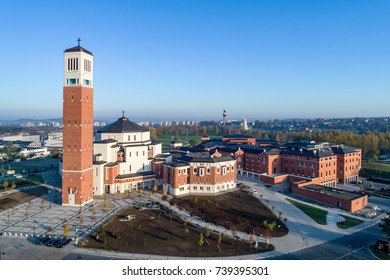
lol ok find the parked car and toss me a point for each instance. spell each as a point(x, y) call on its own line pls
point(63, 243)
point(42, 240)
point(50, 242)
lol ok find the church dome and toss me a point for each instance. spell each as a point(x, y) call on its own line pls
point(122, 125)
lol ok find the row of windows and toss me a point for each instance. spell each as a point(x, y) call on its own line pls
point(73, 64)
point(184, 171)
point(200, 170)
point(77, 82)
point(350, 168)
point(195, 188)
point(75, 122)
point(136, 153)
point(75, 146)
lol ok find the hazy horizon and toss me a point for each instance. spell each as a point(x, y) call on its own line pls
point(172, 118)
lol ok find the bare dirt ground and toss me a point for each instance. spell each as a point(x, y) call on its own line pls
point(237, 209)
point(158, 232)
point(16, 198)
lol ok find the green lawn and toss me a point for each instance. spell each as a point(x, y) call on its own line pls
point(349, 222)
point(318, 215)
point(376, 165)
point(378, 254)
point(22, 182)
point(31, 166)
point(185, 139)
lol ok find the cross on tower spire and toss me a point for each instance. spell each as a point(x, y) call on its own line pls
point(79, 40)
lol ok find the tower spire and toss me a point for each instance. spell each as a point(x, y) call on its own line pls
point(78, 42)
point(123, 113)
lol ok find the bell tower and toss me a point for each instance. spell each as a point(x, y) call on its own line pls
point(77, 160)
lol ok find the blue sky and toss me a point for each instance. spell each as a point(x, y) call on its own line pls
point(190, 59)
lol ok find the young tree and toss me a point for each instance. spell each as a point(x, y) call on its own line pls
point(193, 142)
point(219, 240)
point(5, 185)
point(13, 185)
point(207, 234)
point(200, 242)
point(55, 153)
point(66, 229)
point(154, 188)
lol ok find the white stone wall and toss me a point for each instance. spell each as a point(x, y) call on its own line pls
point(156, 149)
point(80, 73)
point(127, 138)
point(108, 154)
point(137, 157)
point(98, 179)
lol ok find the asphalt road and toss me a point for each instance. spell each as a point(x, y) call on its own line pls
point(354, 246)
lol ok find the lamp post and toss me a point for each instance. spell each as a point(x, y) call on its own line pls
point(237, 237)
point(75, 234)
point(34, 226)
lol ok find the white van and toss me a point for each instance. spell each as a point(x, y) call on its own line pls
point(253, 192)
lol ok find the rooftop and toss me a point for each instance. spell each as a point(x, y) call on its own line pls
point(316, 153)
point(105, 141)
point(140, 174)
point(122, 125)
point(238, 136)
point(333, 192)
point(206, 159)
point(78, 48)
point(341, 149)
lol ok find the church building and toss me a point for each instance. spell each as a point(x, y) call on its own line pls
point(123, 154)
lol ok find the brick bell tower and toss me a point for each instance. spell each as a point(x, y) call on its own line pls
point(77, 160)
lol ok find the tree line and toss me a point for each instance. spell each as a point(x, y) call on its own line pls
point(372, 144)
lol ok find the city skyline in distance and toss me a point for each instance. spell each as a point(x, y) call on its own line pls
point(174, 60)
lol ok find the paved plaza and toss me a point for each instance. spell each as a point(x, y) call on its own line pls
point(44, 216)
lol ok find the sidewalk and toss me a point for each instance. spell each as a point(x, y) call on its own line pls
point(303, 231)
point(41, 216)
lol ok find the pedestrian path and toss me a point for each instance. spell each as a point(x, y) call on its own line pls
point(43, 216)
point(332, 219)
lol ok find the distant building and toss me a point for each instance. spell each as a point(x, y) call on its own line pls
point(21, 137)
point(34, 152)
point(54, 140)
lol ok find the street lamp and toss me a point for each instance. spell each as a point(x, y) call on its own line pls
point(34, 226)
point(237, 237)
point(75, 234)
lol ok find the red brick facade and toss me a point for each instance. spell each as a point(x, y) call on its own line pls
point(198, 177)
point(344, 200)
point(77, 144)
